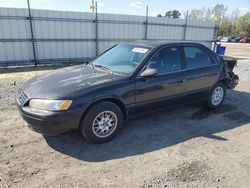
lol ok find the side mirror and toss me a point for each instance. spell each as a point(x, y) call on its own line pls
point(148, 72)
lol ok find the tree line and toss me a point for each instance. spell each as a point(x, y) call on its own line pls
point(232, 24)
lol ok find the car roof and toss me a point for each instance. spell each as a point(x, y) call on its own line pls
point(159, 43)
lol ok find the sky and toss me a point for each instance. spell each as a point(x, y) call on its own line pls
point(134, 7)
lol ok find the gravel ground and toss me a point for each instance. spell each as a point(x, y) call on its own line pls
point(188, 146)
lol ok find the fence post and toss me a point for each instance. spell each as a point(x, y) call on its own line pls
point(185, 26)
point(32, 34)
point(146, 25)
point(216, 28)
point(96, 30)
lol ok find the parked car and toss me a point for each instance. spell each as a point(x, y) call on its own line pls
point(228, 39)
point(224, 39)
point(126, 81)
point(232, 39)
point(216, 39)
point(238, 39)
point(245, 40)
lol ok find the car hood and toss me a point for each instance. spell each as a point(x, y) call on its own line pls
point(65, 82)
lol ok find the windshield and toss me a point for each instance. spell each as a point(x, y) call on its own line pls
point(122, 58)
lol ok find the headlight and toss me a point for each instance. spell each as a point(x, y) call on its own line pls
point(52, 105)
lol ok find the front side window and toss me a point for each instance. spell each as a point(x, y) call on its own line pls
point(122, 58)
point(196, 57)
point(166, 60)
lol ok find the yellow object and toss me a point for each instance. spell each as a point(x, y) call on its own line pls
point(65, 105)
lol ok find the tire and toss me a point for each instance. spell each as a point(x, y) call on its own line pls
point(102, 122)
point(216, 96)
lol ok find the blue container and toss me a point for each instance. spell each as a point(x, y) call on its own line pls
point(221, 49)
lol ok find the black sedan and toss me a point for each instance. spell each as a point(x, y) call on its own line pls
point(126, 81)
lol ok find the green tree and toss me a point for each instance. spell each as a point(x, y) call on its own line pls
point(168, 14)
point(176, 14)
point(200, 14)
point(195, 14)
point(244, 24)
point(207, 13)
point(218, 13)
point(226, 27)
point(172, 14)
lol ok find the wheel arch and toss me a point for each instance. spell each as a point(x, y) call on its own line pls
point(98, 100)
point(224, 81)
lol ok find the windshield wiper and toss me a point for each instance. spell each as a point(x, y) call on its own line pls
point(104, 68)
point(92, 64)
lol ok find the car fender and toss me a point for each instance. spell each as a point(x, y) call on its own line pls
point(106, 97)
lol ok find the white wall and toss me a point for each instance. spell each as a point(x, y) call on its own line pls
point(52, 29)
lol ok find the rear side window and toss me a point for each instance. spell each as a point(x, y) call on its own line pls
point(196, 57)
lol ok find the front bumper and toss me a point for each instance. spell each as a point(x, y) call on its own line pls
point(48, 122)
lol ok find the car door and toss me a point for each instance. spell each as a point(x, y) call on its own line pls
point(165, 88)
point(201, 71)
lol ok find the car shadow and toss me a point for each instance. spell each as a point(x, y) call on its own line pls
point(159, 130)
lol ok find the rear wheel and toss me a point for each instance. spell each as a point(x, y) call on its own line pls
point(102, 122)
point(216, 95)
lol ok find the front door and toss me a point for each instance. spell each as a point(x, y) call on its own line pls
point(165, 89)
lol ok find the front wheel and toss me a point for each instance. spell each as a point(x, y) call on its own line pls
point(102, 122)
point(216, 96)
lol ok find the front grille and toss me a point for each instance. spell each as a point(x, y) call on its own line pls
point(22, 98)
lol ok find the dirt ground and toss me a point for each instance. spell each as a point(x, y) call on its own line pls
point(240, 50)
point(188, 146)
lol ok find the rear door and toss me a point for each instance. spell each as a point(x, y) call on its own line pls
point(201, 71)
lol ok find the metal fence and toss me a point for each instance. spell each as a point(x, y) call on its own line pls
point(42, 36)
